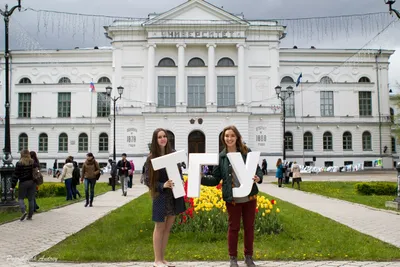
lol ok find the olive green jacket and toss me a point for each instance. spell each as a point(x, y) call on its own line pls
point(224, 171)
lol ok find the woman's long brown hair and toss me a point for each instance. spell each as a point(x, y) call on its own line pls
point(155, 152)
point(239, 142)
point(279, 162)
point(26, 158)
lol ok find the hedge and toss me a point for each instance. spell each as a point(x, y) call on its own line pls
point(380, 188)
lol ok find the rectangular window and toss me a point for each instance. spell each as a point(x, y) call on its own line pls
point(166, 91)
point(368, 164)
point(393, 145)
point(64, 105)
point(326, 100)
point(328, 163)
point(365, 103)
point(348, 163)
point(226, 91)
point(289, 106)
point(24, 105)
point(196, 91)
point(103, 105)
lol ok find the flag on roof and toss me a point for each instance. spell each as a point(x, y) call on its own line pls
point(92, 88)
point(298, 79)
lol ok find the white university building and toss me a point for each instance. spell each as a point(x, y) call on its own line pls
point(194, 70)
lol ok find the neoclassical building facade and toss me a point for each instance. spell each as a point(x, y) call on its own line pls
point(194, 70)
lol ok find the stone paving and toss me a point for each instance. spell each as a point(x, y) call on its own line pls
point(370, 221)
point(49, 228)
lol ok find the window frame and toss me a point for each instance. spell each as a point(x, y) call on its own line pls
point(24, 105)
point(196, 91)
point(163, 63)
point(103, 105)
point(226, 62)
point(327, 141)
point(25, 80)
point(64, 105)
point(43, 146)
point(193, 63)
point(364, 108)
point(103, 142)
point(104, 80)
point(64, 80)
point(308, 142)
point(83, 142)
point(346, 141)
point(288, 142)
point(366, 144)
point(327, 104)
point(63, 143)
point(23, 141)
point(228, 90)
point(168, 92)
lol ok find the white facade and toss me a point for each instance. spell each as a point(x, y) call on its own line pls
point(199, 30)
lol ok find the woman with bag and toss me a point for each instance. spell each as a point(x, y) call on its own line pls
point(66, 176)
point(165, 206)
point(296, 177)
point(239, 208)
point(279, 172)
point(90, 172)
point(27, 187)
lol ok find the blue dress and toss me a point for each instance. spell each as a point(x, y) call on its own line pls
point(279, 171)
point(164, 204)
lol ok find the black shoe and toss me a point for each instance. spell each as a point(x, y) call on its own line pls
point(233, 262)
point(125, 193)
point(249, 261)
point(91, 204)
point(29, 218)
point(23, 216)
point(87, 203)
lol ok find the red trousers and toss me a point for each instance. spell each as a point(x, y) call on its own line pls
point(236, 212)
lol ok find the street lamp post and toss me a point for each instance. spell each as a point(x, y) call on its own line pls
point(390, 3)
point(114, 99)
point(7, 170)
point(283, 95)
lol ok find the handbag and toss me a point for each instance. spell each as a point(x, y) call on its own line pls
point(37, 176)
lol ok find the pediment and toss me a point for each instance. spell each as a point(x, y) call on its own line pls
point(196, 11)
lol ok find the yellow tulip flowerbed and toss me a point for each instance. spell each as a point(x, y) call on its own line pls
point(208, 213)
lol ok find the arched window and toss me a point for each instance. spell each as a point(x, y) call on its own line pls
point(64, 80)
point(83, 142)
point(391, 115)
point(326, 80)
point(166, 62)
point(308, 141)
point(289, 140)
point(43, 143)
point(366, 141)
point(25, 81)
point(22, 141)
point(196, 62)
point(225, 62)
point(63, 142)
point(287, 79)
point(197, 142)
point(347, 141)
point(104, 80)
point(364, 80)
point(103, 142)
point(327, 141)
point(171, 139)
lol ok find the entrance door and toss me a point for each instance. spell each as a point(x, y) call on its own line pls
point(196, 142)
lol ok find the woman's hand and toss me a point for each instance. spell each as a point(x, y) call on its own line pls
point(169, 184)
point(256, 179)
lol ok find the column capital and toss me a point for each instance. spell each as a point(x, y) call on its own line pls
point(211, 45)
point(241, 45)
point(151, 45)
point(181, 44)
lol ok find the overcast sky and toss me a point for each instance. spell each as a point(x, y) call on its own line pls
point(25, 33)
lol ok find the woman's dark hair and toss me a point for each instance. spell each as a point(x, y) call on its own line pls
point(69, 159)
point(279, 162)
point(239, 142)
point(155, 152)
point(34, 157)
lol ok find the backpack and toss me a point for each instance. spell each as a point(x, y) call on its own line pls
point(144, 178)
point(76, 175)
point(114, 169)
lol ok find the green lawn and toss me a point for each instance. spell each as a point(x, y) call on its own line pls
point(345, 191)
point(48, 203)
point(126, 235)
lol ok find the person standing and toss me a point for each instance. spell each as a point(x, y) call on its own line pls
point(55, 167)
point(264, 167)
point(113, 173)
point(279, 172)
point(90, 171)
point(27, 187)
point(239, 208)
point(123, 171)
point(36, 164)
point(131, 172)
point(76, 174)
point(165, 207)
point(296, 177)
point(66, 176)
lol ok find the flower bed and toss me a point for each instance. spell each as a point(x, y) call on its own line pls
point(208, 213)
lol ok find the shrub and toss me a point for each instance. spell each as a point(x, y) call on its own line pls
point(379, 189)
point(52, 190)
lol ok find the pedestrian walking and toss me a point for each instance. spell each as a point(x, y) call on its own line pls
point(296, 177)
point(55, 167)
point(27, 187)
point(76, 174)
point(131, 172)
point(113, 173)
point(36, 164)
point(239, 209)
point(264, 167)
point(66, 176)
point(123, 172)
point(165, 206)
point(279, 172)
point(90, 172)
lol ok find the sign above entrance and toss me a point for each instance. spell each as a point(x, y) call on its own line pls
point(197, 34)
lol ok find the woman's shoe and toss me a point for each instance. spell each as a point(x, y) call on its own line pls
point(159, 265)
point(168, 264)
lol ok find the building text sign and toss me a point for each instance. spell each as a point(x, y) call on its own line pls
point(197, 34)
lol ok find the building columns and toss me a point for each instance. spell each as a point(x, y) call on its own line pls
point(151, 90)
point(180, 93)
point(241, 84)
point(211, 92)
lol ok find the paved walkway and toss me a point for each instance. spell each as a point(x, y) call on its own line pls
point(366, 220)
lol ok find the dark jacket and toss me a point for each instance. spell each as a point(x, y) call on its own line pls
point(76, 174)
point(123, 164)
point(22, 173)
point(90, 169)
point(224, 172)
